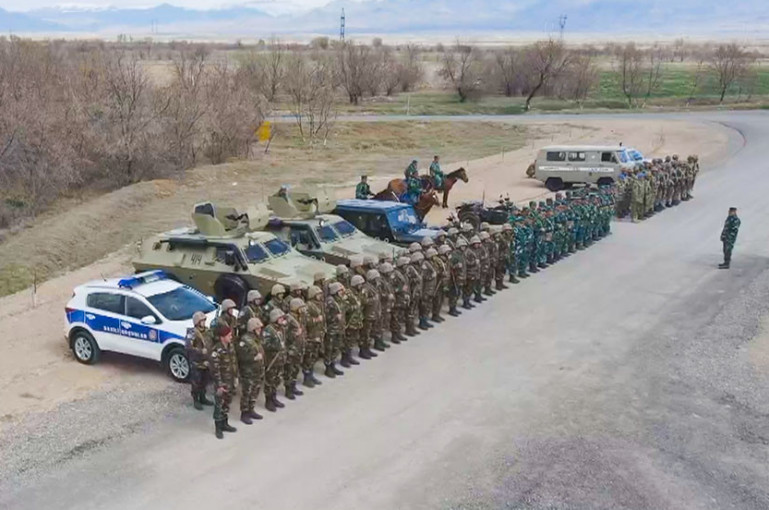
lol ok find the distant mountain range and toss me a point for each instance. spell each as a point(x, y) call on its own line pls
point(741, 18)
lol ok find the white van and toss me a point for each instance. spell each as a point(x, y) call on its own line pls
point(560, 166)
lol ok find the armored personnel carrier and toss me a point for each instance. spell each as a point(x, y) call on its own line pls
point(303, 220)
point(227, 254)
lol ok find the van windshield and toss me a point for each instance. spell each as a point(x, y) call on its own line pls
point(623, 156)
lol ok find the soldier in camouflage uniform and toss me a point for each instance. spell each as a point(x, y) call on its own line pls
point(372, 314)
point(400, 284)
point(473, 272)
point(296, 337)
point(254, 309)
point(387, 298)
point(274, 344)
point(503, 240)
point(457, 275)
point(250, 355)
point(335, 327)
point(451, 237)
point(729, 236)
point(316, 332)
point(490, 248)
point(277, 300)
point(414, 275)
point(222, 366)
point(441, 282)
point(429, 287)
point(354, 319)
point(198, 344)
point(343, 275)
point(374, 278)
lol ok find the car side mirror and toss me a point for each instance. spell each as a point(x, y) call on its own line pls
point(149, 320)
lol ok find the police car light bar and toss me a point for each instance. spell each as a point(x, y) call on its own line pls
point(142, 278)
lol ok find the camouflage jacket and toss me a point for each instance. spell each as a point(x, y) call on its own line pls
point(457, 268)
point(415, 282)
point(295, 334)
point(354, 311)
point(250, 312)
point(250, 353)
point(400, 285)
point(472, 264)
point(369, 299)
point(198, 344)
point(335, 320)
point(386, 294)
point(222, 366)
point(273, 340)
point(442, 276)
point(429, 278)
point(316, 322)
point(730, 230)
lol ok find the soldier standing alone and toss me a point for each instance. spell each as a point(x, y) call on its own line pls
point(729, 236)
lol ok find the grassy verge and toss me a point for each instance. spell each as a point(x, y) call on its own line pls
point(74, 235)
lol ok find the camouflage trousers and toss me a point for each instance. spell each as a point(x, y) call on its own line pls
point(293, 364)
point(386, 321)
point(500, 271)
point(472, 287)
point(222, 402)
point(397, 319)
point(352, 338)
point(728, 247)
point(455, 292)
point(364, 339)
point(413, 310)
point(251, 379)
point(273, 371)
point(426, 304)
point(199, 379)
point(440, 293)
point(488, 277)
point(332, 347)
point(636, 210)
point(311, 354)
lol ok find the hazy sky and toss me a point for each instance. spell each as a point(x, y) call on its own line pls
point(271, 6)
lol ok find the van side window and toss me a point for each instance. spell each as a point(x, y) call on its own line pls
point(556, 156)
point(608, 157)
point(577, 156)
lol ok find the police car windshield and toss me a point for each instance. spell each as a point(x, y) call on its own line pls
point(326, 233)
point(180, 303)
point(277, 247)
point(255, 253)
point(344, 228)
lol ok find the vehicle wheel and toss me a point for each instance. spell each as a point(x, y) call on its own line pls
point(230, 286)
point(605, 181)
point(470, 217)
point(85, 348)
point(177, 365)
point(554, 184)
point(568, 185)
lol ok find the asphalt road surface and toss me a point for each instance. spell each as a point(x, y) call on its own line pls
point(626, 376)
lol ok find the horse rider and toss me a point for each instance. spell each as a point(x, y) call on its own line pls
point(363, 190)
point(413, 183)
point(436, 173)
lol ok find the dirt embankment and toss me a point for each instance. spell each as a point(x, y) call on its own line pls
point(37, 371)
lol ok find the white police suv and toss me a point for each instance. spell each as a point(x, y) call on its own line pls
point(145, 315)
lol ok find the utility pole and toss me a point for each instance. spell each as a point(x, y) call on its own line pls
point(562, 23)
point(341, 26)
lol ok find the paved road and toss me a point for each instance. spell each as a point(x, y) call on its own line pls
point(623, 377)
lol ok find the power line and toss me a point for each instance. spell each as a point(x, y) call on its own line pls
point(562, 23)
point(341, 26)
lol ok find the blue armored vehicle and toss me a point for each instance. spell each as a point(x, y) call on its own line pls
point(394, 222)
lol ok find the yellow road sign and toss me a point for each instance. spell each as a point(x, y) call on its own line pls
point(264, 132)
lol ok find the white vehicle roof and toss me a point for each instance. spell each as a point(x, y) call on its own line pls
point(145, 284)
point(583, 148)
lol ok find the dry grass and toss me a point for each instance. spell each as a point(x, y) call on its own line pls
point(74, 235)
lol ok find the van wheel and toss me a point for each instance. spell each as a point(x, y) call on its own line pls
point(470, 217)
point(531, 170)
point(85, 348)
point(230, 286)
point(177, 365)
point(605, 181)
point(554, 184)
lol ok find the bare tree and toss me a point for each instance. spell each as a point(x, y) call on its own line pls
point(653, 70)
point(410, 71)
point(353, 66)
point(546, 60)
point(679, 50)
point(578, 78)
point(507, 65)
point(310, 85)
point(728, 62)
point(460, 66)
point(697, 77)
point(274, 67)
point(631, 73)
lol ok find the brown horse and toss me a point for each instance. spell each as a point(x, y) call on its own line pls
point(426, 201)
point(398, 186)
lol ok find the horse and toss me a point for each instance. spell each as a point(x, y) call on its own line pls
point(398, 186)
point(427, 199)
point(449, 181)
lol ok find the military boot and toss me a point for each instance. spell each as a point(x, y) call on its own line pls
point(314, 379)
point(513, 279)
point(453, 311)
point(466, 303)
point(329, 372)
point(226, 427)
point(336, 370)
point(290, 392)
point(253, 414)
point(487, 291)
point(307, 381)
point(478, 297)
point(196, 401)
point(269, 404)
point(352, 360)
point(395, 337)
point(380, 345)
point(296, 391)
point(246, 418)
point(204, 400)
point(437, 318)
point(218, 428)
point(723, 265)
point(371, 353)
point(362, 354)
point(501, 286)
point(277, 402)
point(423, 324)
